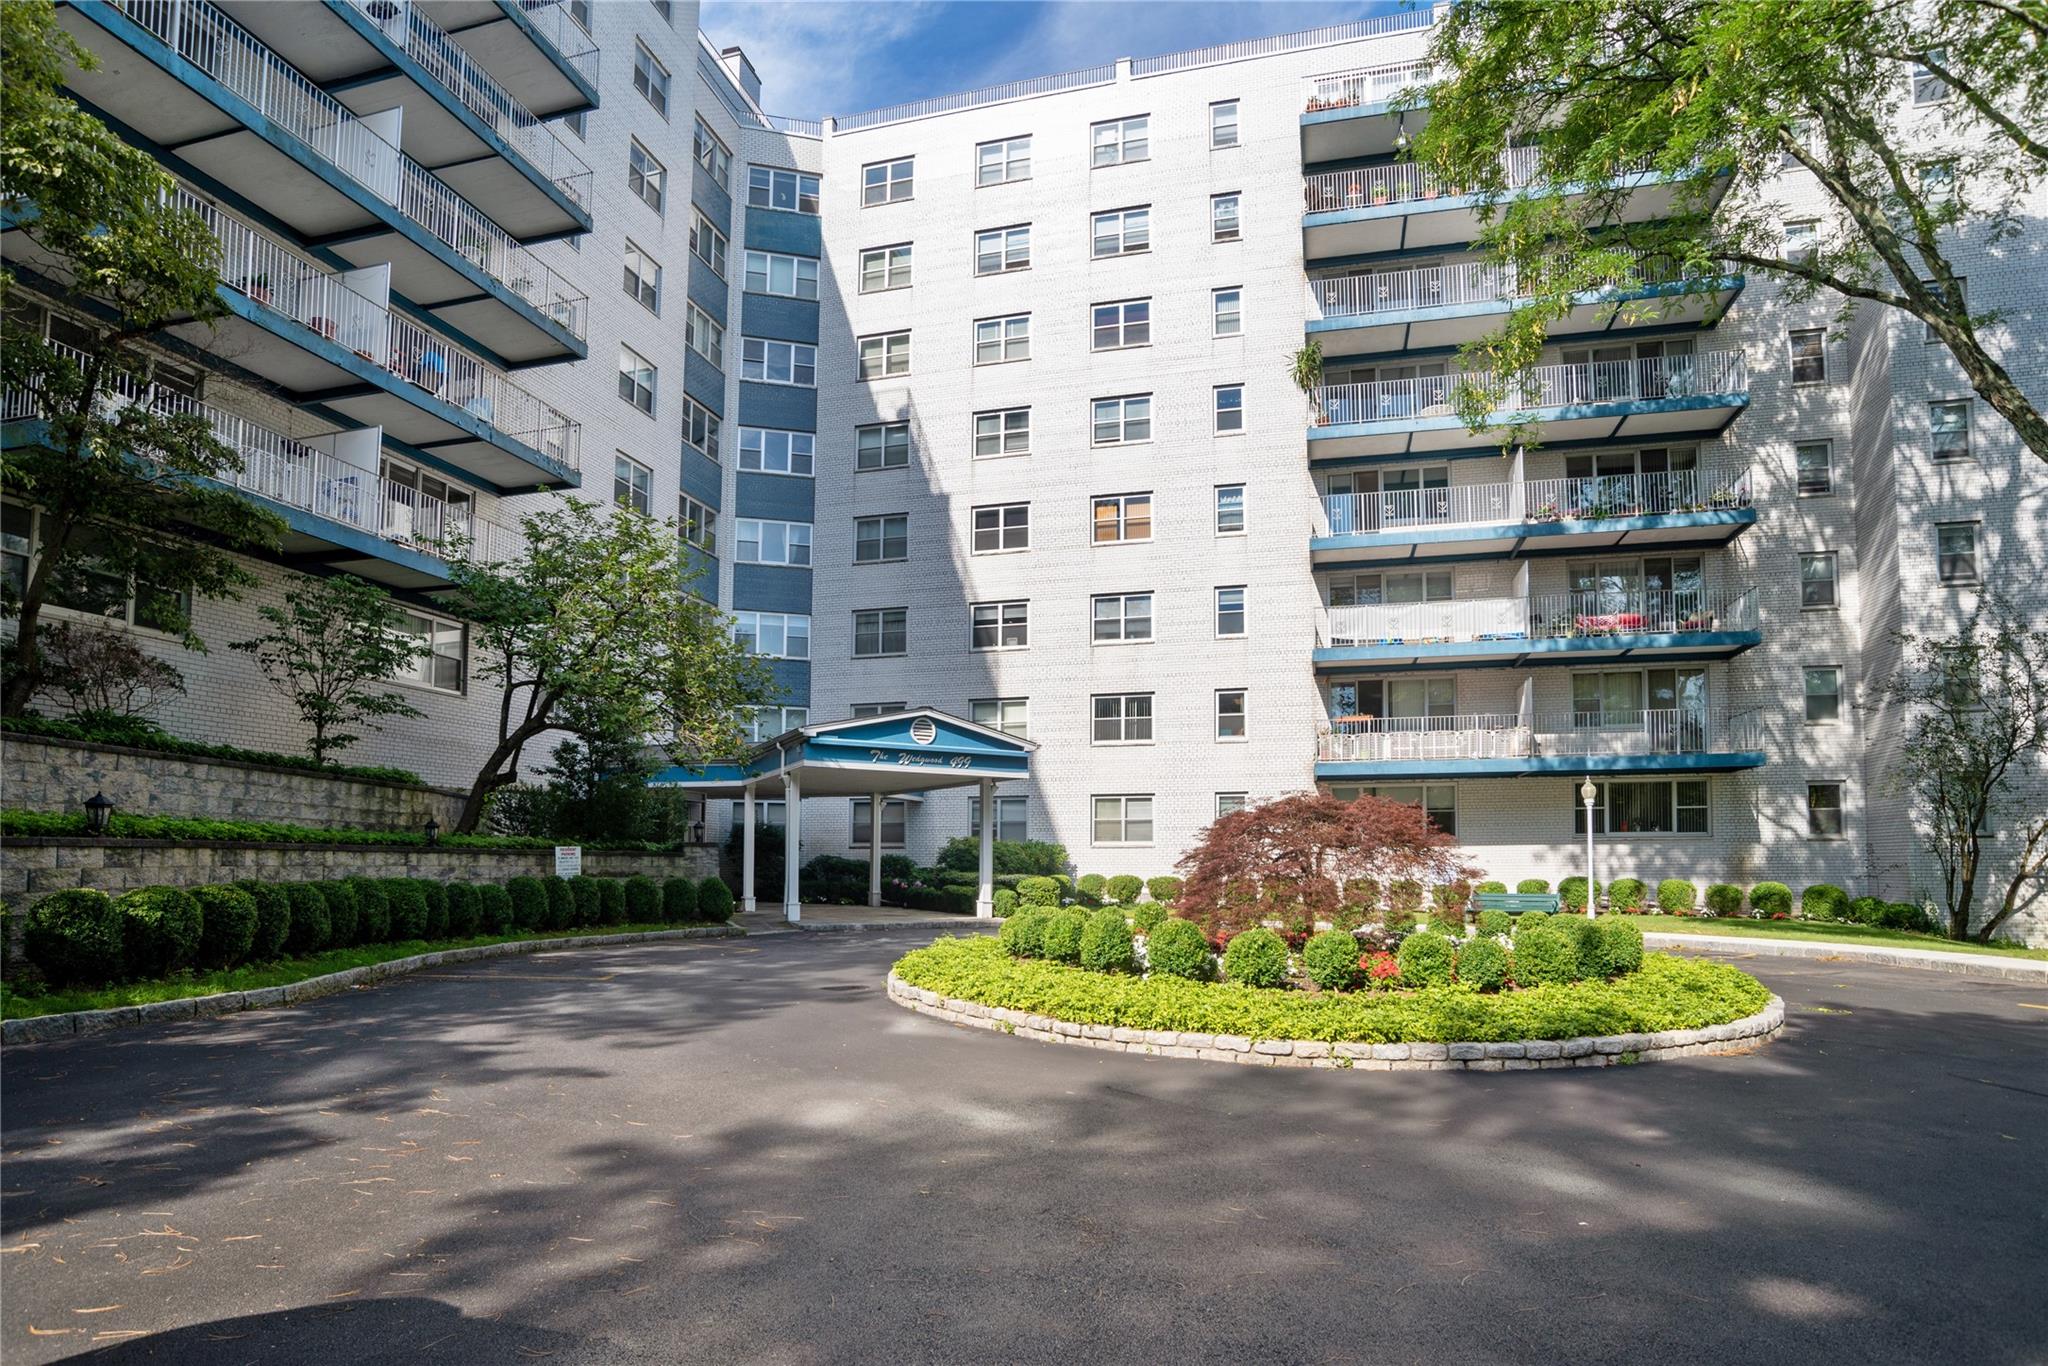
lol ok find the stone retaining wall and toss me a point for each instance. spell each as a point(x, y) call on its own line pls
point(1739, 1036)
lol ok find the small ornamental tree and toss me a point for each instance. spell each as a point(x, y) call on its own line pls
point(1304, 849)
point(327, 650)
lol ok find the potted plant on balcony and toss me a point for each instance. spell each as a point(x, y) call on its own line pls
point(256, 287)
point(1307, 372)
point(1381, 194)
point(1549, 512)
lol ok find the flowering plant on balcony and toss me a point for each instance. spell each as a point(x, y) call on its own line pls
point(1549, 512)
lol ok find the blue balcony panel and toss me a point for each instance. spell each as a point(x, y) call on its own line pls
point(767, 315)
point(704, 381)
point(705, 566)
point(1519, 653)
point(703, 480)
point(708, 292)
point(1518, 540)
point(782, 406)
point(794, 234)
point(792, 678)
point(713, 198)
point(779, 497)
point(541, 56)
point(771, 588)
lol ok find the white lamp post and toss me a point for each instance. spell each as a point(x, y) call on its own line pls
point(1587, 793)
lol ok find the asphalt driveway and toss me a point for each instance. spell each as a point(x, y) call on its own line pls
point(739, 1151)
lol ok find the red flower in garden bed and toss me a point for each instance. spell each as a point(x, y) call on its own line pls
point(1380, 967)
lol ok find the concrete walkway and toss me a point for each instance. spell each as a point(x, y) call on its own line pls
point(768, 920)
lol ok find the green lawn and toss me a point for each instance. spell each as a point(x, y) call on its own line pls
point(1826, 931)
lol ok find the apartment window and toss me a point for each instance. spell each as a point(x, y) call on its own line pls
point(883, 446)
point(82, 582)
point(579, 10)
point(765, 723)
point(1938, 182)
point(666, 9)
point(1226, 310)
point(878, 540)
point(1230, 714)
point(704, 335)
point(884, 354)
point(632, 484)
point(1229, 401)
point(996, 163)
point(1223, 124)
point(1949, 428)
point(791, 277)
point(1002, 527)
point(1823, 693)
point(1010, 823)
point(885, 268)
point(1123, 517)
point(1001, 625)
point(443, 658)
point(1121, 617)
point(1223, 220)
point(637, 377)
point(711, 155)
point(1809, 355)
point(1928, 88)
point(643, 278)
point(1802, 239)
point(1004, 432)
point(1230, 611)
point(1644, 808)
point(770, 188)
point(886, 182)
point(1817, 579)
point(1123, 718)
point(861, 709)
point(650, 78)
point(764, 542)
point(894, 815)
point(779, 362)
point(1824, 810)
point(1125, 323)
point(770, 451)
point(999, 340)
point(1230, 509)
point(1230, 803)
point(1816, 463)
point(767, 815)
point(1123, 232)
point(700, 427)
point(1122, 421)
point(1000, 250)
point(773, 635)
point(1123, 820)
point(1010, 715)
point(1439, 801)
point(698, 524)
point(1119, 141)
point(1940, 295)
point(881, 631)
point(645, 176)
point(1955, 548)
point(578, 123)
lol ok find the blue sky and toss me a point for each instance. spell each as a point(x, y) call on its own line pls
point(843, 56)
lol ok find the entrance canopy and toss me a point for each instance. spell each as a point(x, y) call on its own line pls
point(877, 757)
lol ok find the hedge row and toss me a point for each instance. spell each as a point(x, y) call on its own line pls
point(86, 938)
point(20, 824)
point(1765, 900)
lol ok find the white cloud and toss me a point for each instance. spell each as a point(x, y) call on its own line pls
point(817, 59)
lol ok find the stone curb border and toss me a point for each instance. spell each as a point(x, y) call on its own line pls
point(43, 1028)
point(1932, 960)
point(1739, 1036)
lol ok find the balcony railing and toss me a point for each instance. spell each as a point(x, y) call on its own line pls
point(1592, 614)
point(1544, 386)
point(282, 280)
point(1537, 500)
point(427, 43)
point(1566, 735)
point(290, 472)
point(1471, 282)
point(550, 19)
point(233, 56)
point(1402, 182)
point(1362, 85)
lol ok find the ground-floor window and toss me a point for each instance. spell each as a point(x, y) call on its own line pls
point(765, 813)
point(1123, 819)
point(82, 584)
point(1228, 803)
point(443, 660)
point(1644, 808)
point(1010, 818)
point(894, 815)
point(1439, 801)
point(1824, 810)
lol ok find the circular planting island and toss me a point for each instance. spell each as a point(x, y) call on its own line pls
point(1517, 1005)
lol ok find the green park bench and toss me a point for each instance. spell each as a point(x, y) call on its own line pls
point(1514, 903)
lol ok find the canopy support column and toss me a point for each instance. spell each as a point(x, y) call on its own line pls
point(747, 851)
point(874, 849)
point(985, 895)
point(792, 855)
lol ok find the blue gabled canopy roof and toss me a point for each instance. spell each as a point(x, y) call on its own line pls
point(905, 751)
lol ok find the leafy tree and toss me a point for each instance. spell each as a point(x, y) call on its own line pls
point(327, 648)
point(120, 485)
point(103, 673)
point(1718, 96)
point(594, 627)
point(1975, 753)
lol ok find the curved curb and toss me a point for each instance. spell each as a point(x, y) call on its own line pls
point(1529, 1055)
point(44, 1028)
point(1928, 960)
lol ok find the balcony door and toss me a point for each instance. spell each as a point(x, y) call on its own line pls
point(419, 506)
point(1360, 605)
point(1653, 711)
point(1657, 592)
point(1632, 483)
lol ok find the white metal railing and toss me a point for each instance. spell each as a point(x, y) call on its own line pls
point(234, 57)
point(450, 372)
point(550, 19)
point(1538, 500)
point(1402, 182)
point(1544, 386)
point(1621, 611)
point(427, 43)
point(1575, 734)
point(1421, 17)
point(808, 128)
point(1362, 85)
point(1468, 282)
point(974, 99)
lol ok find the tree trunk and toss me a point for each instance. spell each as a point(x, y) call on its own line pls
point(1966, 895)
point(501, 769)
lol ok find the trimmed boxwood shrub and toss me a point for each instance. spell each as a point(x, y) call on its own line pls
point(714, 900)
point(1124, 888)
point(1162, 889)
point(273, 919)
point(494, 909)
point(1529, 920)
point(678, 899)
point(1770, 898)
point(1426, 960)
point(1724, 899)
point(1532, 886)
point(1063, 930)
point(1089, 888)
point(1482, 964)
point(1676, 896)
point(1256, 958)
point(436, 894)
point(373, 910)
point(227, 925)
point(465, 912)
point(1023, 934)
point(1545, 954)
point(1178, 948)
point(1148, 916)
point(1005, 902)
point(1331, 960)
point(75, 936)
point(1449, 928)
point(308, 933)
point(1615, 947)
point(611, 901)
point(529, 902)
point(344, 914)
point(589, 907)
point(1581, 930)
point(1106, 942)
point(1824, 901)
point(1626, 894)
point(1571, 893)
point(1494, 887)
point(1038, 891)
point(1904, 915)
point(1496, 922)
point(561, 903)
point(643, 899)
point(408, 909)
point(160, 929)
point(1866, 910)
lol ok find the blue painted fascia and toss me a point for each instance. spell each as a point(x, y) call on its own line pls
point(516, 12)
point(770, 315)
point(1376, 109)
point(1523, 653)
point(1543, 766)
point(1524, 531)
